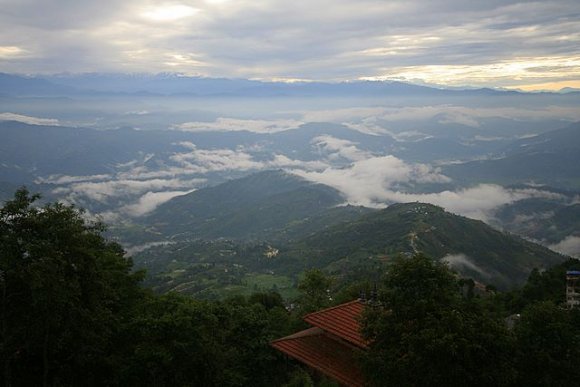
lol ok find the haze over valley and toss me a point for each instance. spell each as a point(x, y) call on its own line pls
point(204, 132)
point(132, 149)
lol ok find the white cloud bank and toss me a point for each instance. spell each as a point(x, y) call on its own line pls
point(461, 262)
point(368, 182)
point(363, 178)
point(335, 148)
point(569, 246)
point(103, 191)
point(212, 160)
point(374, 183)
point(224, 124)
point(150, 201)
point(29, 119)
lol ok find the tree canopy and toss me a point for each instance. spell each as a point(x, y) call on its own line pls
point(62, 287)
point(73, 312)
point(425, 334)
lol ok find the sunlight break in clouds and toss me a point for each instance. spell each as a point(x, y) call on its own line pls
point(10, 51)
point(492, 43)
point(169, 12)
point(522, 73)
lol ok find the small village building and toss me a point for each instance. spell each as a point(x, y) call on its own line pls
point(572, 288)
point(332, 345)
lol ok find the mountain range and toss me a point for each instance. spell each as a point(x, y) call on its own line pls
point(176, 84)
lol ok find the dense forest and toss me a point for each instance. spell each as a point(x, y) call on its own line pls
point(73, 311)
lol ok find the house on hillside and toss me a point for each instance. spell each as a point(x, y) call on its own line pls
point(572, 288)
point(331, 345)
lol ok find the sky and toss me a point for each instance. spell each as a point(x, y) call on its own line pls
point(525, 45)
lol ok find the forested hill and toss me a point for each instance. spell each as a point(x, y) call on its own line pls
point(470, 246)
point(258, 205)
point(350, 249)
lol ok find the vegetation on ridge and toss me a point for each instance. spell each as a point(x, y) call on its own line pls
point(74, 313)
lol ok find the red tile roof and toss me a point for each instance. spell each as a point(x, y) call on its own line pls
point(318, 350)
point(342, 320)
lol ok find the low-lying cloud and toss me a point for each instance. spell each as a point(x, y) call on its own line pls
point(336, 148)
point(211, 160)
point(380, 120)
point(150, 201)
point(66, 179)
point(103, 191)
point(369, 182)
point(569, 246)
point(29, 119)
point(461, 262)
point(224, 124)
point(375, 182)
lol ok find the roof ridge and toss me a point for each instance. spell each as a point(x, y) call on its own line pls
point(303, 333)
point(331, 308)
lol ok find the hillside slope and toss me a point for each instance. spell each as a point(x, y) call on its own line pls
point(256, 206)
point(551, 158)
point(360, 248)
point(471, 247)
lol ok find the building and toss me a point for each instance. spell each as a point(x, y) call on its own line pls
point(331, 345)
point(572, 288)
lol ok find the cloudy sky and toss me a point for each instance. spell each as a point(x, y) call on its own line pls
point(528, 45)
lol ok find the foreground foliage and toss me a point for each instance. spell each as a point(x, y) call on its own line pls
point(425, 333)
point(73, 312)
point(62, 287)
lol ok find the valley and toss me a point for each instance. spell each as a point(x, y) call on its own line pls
point(213, 202)
point(289, 193)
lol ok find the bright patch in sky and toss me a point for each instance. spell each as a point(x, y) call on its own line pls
point(164, 13)
point(7, 51)
point(512, 73)
point(493, 44)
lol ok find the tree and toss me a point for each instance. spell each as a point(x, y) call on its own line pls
point(268, 299)
point(548, 339)
point(424, 333)
point(314, 291)
point(545, 285)
point(63, 291)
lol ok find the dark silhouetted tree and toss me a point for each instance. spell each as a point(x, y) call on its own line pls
point(63, 291)
point(425, 334)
